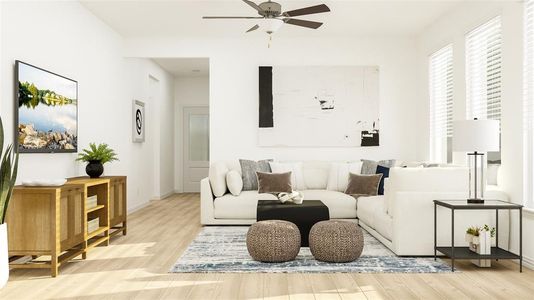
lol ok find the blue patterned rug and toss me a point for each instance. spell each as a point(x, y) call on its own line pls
point(224, 250)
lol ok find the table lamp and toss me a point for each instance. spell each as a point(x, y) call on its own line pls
point(476, 137)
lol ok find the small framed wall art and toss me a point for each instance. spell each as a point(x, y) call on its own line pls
point(138, 121)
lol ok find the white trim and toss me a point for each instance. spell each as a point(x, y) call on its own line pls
point(164, 196)
point(527, 262)
point(136, 208)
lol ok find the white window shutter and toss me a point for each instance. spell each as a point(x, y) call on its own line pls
point(441, 94)
point(483, 73)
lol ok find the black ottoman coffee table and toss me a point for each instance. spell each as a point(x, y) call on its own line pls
point(303, 215)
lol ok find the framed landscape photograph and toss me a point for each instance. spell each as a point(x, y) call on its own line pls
point(46, 112)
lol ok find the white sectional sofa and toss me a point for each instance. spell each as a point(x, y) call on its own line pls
point(402, 218)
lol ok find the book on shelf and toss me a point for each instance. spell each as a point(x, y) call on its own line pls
point(93, 225)
point(91, 201)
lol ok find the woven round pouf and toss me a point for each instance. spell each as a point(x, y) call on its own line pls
point(273, 241)
point(336, 241)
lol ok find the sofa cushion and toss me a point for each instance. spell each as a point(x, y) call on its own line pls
point(383, 223)
point(367, 208)
point(217, 175)
point(316, 174)
point(363, 184)
point(338, 177)
point(239, 207)
point(385, 174)
point(274, 182)
point(341, 206)
point(248, 172)
point(234, 182)
point(297, 178)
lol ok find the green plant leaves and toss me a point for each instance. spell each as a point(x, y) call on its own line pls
point(101, 153)
point(8, 173)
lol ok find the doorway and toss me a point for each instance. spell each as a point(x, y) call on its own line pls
point(196, 145)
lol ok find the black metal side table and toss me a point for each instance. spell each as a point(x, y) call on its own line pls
point(463, 252)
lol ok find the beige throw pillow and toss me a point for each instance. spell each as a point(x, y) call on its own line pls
point(363, 184)
point(274, 182)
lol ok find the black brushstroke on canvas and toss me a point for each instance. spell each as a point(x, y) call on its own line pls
point(266, 97)
point(370, 138)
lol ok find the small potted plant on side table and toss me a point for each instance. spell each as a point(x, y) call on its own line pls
point(480, 240)
point(96, 157)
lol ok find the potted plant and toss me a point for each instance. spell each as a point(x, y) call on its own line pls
point(9, 161)
point(96, 157)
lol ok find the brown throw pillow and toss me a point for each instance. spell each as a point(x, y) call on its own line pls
point(363, 184)
point(274, 182)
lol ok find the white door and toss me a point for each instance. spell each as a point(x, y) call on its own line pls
point(196, 147)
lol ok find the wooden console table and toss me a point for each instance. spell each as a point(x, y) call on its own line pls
point(52, 221)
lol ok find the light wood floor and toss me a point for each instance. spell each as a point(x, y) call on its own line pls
point(135, 267)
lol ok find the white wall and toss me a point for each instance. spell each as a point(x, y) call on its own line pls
point(452, 29)
point(65, 38)
point(234, 89)
point(188, 91)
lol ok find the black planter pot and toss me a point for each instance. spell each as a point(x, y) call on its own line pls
point(94, 169)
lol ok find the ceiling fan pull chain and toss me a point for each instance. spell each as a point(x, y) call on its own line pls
point(270, 41)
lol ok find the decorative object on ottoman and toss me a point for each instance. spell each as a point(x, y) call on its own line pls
point(273, 241)
point(96, 157)
point(336, 241)
point(293, 197)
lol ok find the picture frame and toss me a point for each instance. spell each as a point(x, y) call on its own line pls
point(38, 94)
point(138, 121)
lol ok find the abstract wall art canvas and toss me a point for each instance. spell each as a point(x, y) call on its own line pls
point(138, 119)
point(319, 106)
point(47, 111)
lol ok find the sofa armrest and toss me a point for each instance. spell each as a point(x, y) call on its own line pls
point(206, 202)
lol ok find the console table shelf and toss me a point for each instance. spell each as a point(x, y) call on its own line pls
point(53, 221)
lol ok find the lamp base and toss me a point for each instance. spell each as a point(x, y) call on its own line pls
point(475, 201)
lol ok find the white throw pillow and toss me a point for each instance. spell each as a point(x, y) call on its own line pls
point(297, 177)
point(234, 182)
point(338, 179)
point(217, 175)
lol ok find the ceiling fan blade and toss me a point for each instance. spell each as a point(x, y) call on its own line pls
point(254, 28)
point(303, 23)
point(222, 17)
point(307, 11)
point(253, 5)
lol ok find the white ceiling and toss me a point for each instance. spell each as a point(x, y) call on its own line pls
point(184, 67)
point(347, 18)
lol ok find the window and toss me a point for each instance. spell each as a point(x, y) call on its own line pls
point(440, 89)
point(483, 74)
point(528, 105)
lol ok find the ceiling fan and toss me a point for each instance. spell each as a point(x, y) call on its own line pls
point(271, 14)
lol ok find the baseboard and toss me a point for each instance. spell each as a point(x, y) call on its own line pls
point(164, 196)
point(138, 207)
point(527, 262)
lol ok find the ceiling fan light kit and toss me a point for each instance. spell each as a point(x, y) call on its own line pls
point(272, 18)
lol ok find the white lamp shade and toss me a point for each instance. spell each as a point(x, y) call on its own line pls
point(475, 135)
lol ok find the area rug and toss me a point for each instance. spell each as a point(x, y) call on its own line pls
point(223, 250)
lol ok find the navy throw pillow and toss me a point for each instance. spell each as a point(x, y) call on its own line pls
point(385, 174)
